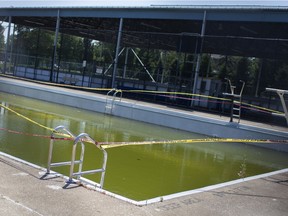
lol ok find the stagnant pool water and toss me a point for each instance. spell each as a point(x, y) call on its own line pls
point(136, 172)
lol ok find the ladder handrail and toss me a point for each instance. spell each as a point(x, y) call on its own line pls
point(81, 138)
point(114, 92)
point(232, 96)
point(55, 131)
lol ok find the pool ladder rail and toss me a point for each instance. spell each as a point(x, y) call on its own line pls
point(235, 105)
point(83, 137)
point(112, 96)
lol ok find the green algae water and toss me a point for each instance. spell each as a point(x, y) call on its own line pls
point(136, 172)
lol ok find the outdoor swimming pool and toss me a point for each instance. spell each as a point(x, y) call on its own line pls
point(136, 172)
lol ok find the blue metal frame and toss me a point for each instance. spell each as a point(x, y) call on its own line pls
point(252, 15)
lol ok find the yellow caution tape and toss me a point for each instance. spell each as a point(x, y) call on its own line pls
point(262, 108)
point(141, 91)
point(106, 145)
point(203, 96)
point(226, 140)
point(178, 93)
point(32, 121)
point(26, 118)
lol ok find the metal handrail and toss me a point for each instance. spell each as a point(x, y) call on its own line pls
point(114, 97)
point(232, 96)
point(56, 131)
point(116, 91)
point(83, 137)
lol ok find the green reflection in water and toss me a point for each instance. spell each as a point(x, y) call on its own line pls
point(137, 172)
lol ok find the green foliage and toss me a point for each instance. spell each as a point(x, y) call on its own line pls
point(71, 48)
point(226, 67)
point(33, 41)
point(281, 77)
point(103, 52)
point(205, 68)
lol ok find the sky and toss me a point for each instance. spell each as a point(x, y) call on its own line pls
point(5, 25)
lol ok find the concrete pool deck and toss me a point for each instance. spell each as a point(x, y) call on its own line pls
point(24, 192)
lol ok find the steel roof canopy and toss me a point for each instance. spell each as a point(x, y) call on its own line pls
point(250, 28)
point(227, 4)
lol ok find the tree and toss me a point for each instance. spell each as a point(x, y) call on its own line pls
point(281, 77)
point(205, 68)
point(33, 42)
point(71, 48)
point(226, 66)
point(242, 73)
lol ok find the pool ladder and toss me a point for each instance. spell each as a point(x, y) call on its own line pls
point(83, 137)
point(236, 105)
point(111, 97)
point(236, 109)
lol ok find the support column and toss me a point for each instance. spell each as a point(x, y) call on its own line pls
point(7, 45)
point(281, 93)
point(259, 77)
point(199, 57)
point(126, 62)
point(55, 46)
point(116, 53)
point(142, 64)
point(11, 50)
point(36, 57)
point(59, 57)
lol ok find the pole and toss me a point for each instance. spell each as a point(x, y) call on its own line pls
point(117, 51)
point(258, 78)
point(199, 57)
point(7, 45)
point(142, 64)
point(281, 95)
point(11, 49)
point(55, 46)
point(106, 71)
point(59, 57)
point(37, 51)
point(126, 61)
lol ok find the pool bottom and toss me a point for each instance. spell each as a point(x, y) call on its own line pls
point(95, 186)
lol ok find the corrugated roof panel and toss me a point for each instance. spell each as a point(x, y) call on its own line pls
point(280, 4)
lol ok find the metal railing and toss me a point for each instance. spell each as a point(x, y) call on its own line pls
point(57, 130)
point(83, 137)
point(235, 105)
point(110, 101)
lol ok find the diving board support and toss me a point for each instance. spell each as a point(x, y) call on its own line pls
point(281, 94)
